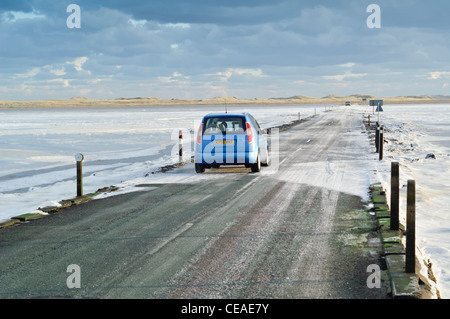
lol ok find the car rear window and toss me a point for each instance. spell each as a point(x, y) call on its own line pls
point(224, 125)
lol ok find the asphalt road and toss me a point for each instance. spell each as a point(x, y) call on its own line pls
point(228, 233)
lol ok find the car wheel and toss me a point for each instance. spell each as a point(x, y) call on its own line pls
point(257, 166)
point(267, 162)
point(199, 168)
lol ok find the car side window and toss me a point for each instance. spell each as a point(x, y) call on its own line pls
point(259, 127)
point(255, 123)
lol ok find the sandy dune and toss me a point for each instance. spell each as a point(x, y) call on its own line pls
point(80, 102)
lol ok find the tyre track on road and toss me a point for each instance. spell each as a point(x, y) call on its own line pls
point(226, 259)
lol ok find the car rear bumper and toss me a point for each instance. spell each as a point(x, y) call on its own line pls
point(229, 158)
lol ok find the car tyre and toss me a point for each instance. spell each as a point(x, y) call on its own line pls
point(267, 162)
point(199, 168)
point(257, 166)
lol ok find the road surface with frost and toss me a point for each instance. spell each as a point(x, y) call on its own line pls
point(298, 229)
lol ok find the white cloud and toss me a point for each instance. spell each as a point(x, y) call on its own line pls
point(175, 78)
point(95, 81)
point(176, 25)
point(226, 75)
point(64, 82)
point(58, 72)
point(178, 75)
point(137, 23)
point(347, 65)
point(78, 63)
point(13, 16)
point(347, 74)
point(29, 74)
point(438, 75)
point(55, 69)
point(252, 72)
point(341, 77)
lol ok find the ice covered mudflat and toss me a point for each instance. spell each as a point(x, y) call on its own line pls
point(37, 146)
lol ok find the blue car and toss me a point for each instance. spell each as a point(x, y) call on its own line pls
point(230, 139)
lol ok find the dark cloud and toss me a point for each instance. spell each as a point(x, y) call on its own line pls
point(200, 11)
point(160, 46)
point(15, 5)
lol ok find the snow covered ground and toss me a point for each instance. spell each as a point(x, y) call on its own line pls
point(418, 137)
point(121, 146)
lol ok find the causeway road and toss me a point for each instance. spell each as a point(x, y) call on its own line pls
point(290, 231)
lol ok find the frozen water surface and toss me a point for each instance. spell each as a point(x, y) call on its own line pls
point(37, 147)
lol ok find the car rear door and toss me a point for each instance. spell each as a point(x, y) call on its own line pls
point(224, 140)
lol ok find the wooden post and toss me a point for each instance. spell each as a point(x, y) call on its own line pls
point(395, 195)
point(381, 143)
point(299, 116)
point(369, 119)
point(377, 137)
point(79, 158)
point(410, 266)
point(379, 111)
point(180, 146)
point(79, 179)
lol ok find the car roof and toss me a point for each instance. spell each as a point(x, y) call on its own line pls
point(226, 114)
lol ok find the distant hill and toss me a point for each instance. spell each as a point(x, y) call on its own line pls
point(441, 97)
point(360, 96)
point(82, 102)
point(332, 96)
point(350, 97)
point(295, 97)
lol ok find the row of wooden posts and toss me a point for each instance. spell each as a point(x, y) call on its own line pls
point(410, 249)
point(379, 139)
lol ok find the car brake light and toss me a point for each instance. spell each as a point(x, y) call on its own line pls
point(199, 134)
point(249, 133)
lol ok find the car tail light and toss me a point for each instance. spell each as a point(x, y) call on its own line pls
point(249, 133)
point(199, 134)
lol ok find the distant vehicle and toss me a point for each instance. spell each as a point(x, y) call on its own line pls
point(347, 103)
point(230, 139)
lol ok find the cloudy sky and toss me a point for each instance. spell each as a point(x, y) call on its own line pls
point(207, 48)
